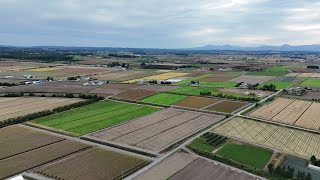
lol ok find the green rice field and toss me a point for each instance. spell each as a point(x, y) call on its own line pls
point(190, 90)
point(164, 99)
point(219, 84)
point(95, 116)
point(280, 85)
point(246, 154)
point(273, 71)
point(311, 82)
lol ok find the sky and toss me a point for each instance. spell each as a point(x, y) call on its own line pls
point(159, 23)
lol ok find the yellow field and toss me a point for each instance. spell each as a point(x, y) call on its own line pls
point(45, 69)
point(162, 70)
point(305, 75)
point(286, 140)
point(163, 76)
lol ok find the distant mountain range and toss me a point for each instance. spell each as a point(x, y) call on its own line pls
point(286, 47)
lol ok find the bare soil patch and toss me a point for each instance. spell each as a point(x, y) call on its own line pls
point(196, 102)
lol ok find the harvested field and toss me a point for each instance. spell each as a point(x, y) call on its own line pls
point(168, 167)
point(270, 110)
point(15, 107)
point(53, 87)
point(215, 79)
point(94, 164)
point(292, 74)
point(95, 116)
point(287, 140)
point(208, 170)
point(163, 99)
point(227, 106)
point(45, 69)
point(163, 76)
point(294, 112)
point(310, 118)
point(252, 79)
point(305, 75)
point(159, 88)
point(135, 95)
point(196, 102)
point(113, 89)
point(315, 75)
point(245, 91)
point(291, 113)
point(157, 131)
point(21, 162)
point(123, 75)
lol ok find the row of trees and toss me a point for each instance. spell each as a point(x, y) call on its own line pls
point(270, 87)
point(67, 95)
point(8, 84)
point(288, 172)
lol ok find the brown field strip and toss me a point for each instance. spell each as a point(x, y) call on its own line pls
point(92, 164)
point(135, 94)
point(291, 113)
point(252, 79)
point(16, 139)
point(22, 162)
point(196, 102)
point(270, 110)
point(159, 88)
point(23, 106)
point(156, 131)
point(167, 167)
point(227, 106)
point(206, 170)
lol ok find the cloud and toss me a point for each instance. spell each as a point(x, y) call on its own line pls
point(155, 23)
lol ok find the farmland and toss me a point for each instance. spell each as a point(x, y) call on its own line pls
point(196, 102)
point(273, 71)
point(219, 84)
point(135, 94)
point(33, 152)
point(21, 106)
point(294, 112)
point(246, 154)
point(312, 82)
point(182, 165)
point(94, 117)
point(205, 170)
point(163, 99)
point(287, 140)
point(191, 90)
point(252, 79)
point(159, 88)
point(163, 76)
point(227, 106)
point(279, 85)
point(158, 130)
point(95, 162)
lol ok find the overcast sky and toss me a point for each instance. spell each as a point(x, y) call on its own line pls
point(159, 23)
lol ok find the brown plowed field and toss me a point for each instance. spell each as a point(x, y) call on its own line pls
point(21, 162)
point(135, 94)
point(227, 106)
point(158, 130)
point(206, 170)
point(215, 79)
point(92, 164)
point(252, 79)
point(15, 107)
point(196, 102)
point(167, 167)
point(160, 88)
point(16, 139)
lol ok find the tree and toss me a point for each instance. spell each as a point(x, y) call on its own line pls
point(278, 170)
point(143, 64)
point(308, 177)
point(313, 159)
point(271, 168)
